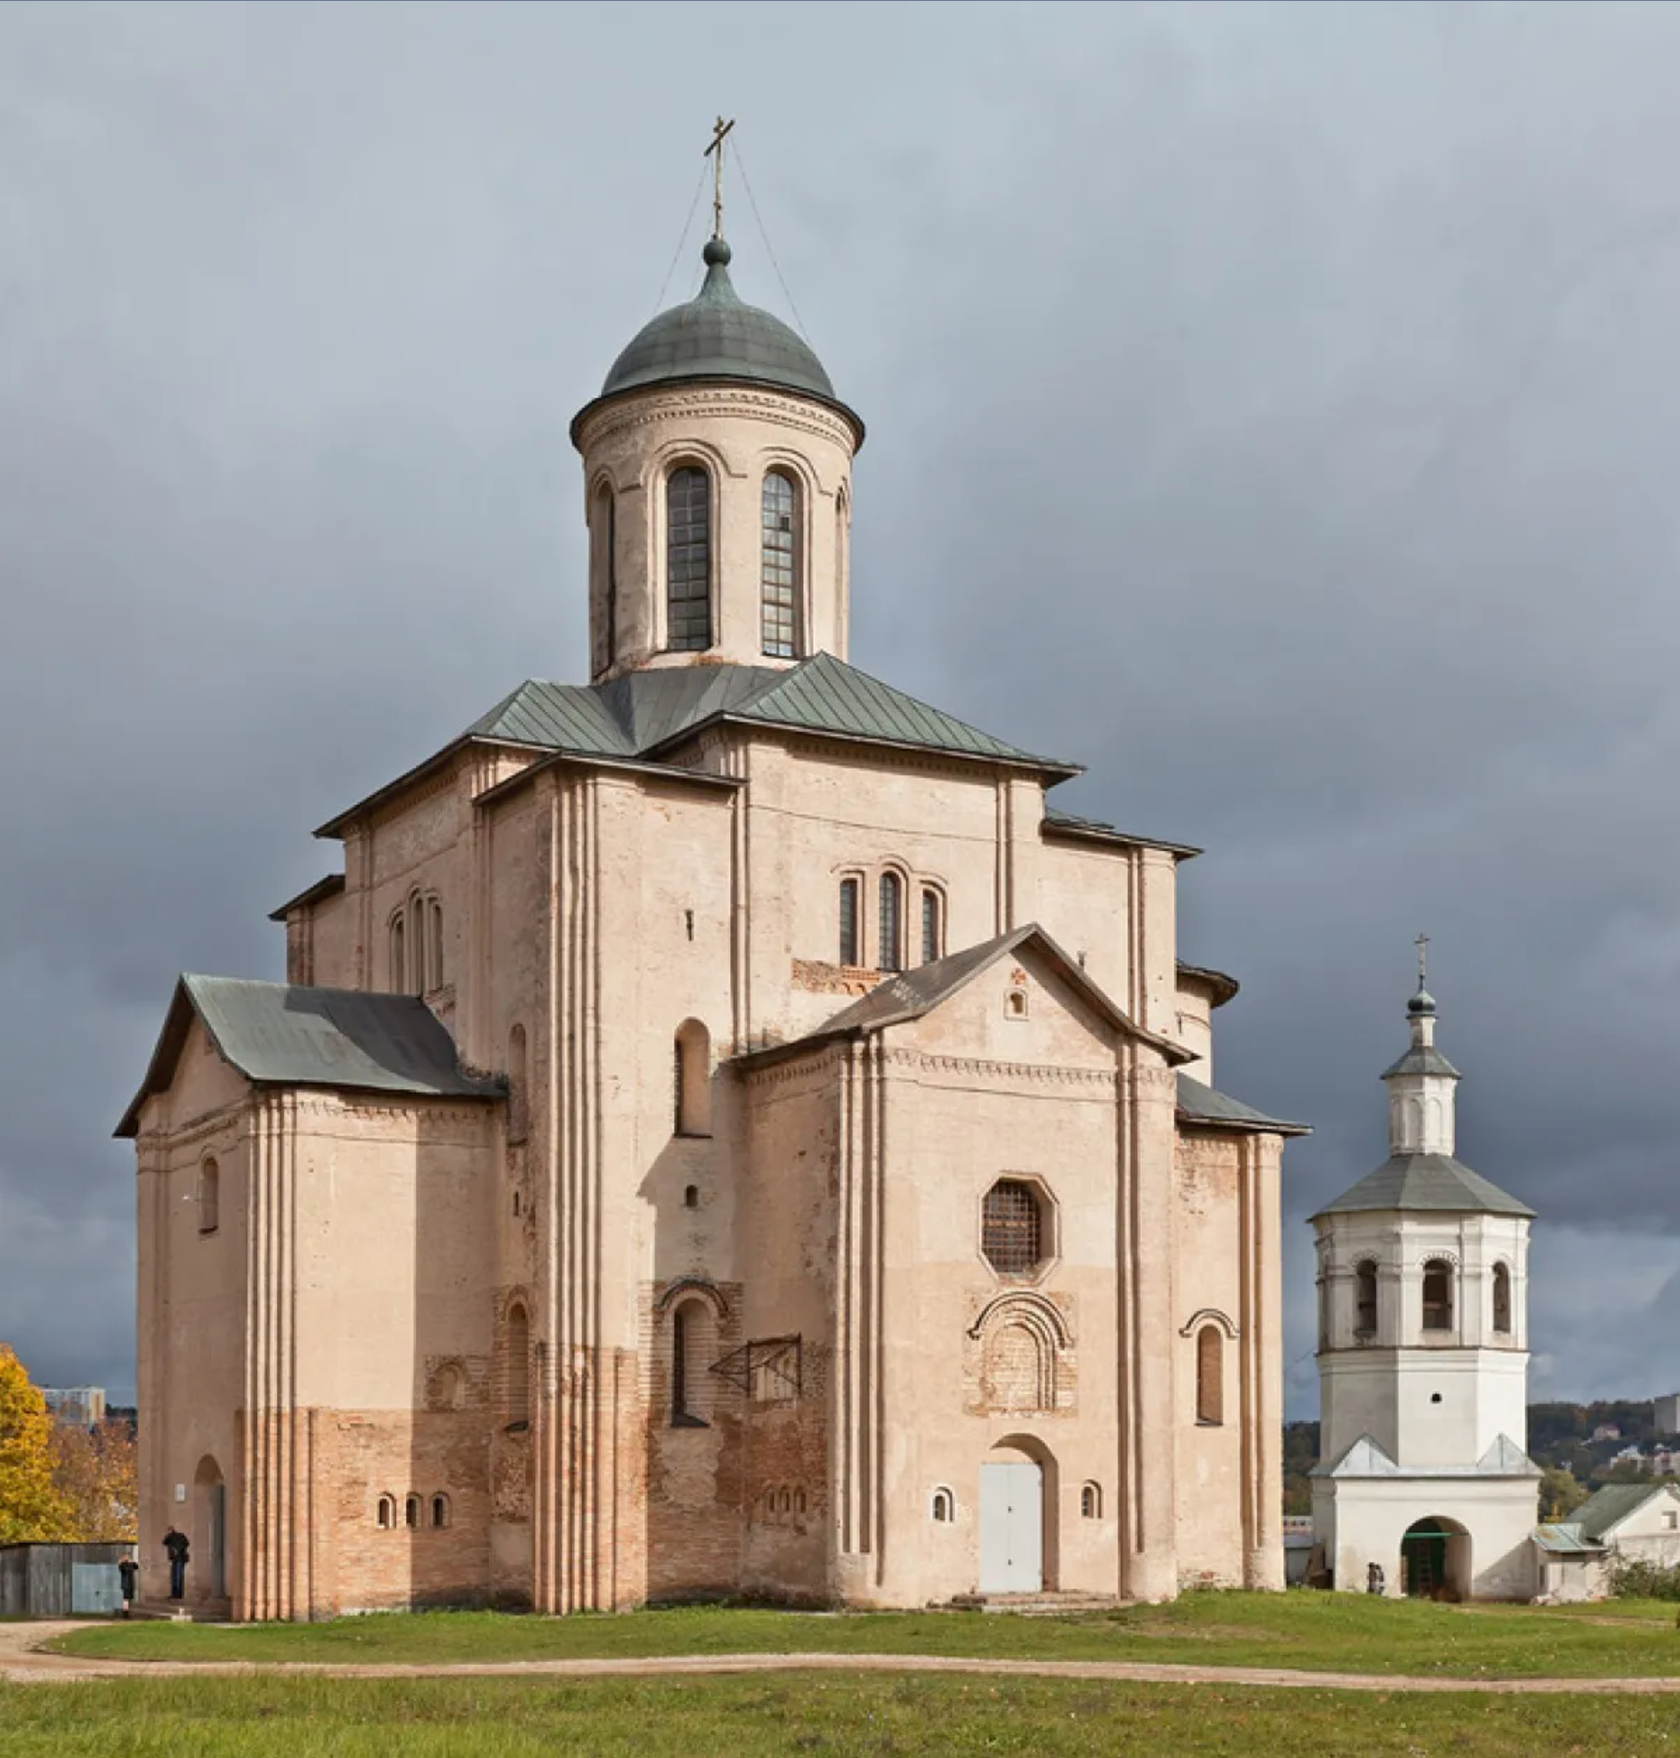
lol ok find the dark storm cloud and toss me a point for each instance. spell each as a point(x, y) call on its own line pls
point(1272, 408)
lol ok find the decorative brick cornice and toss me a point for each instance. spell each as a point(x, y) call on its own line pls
point(656, 409)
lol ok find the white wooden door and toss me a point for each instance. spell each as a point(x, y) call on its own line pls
point(1011, 1527)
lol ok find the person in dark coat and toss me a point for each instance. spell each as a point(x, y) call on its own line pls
point(175, 1543)
point(129, 1569)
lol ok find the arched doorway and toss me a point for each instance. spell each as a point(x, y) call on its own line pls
point(1435, 1560)
point(209, 1535)
point(1017, 1491)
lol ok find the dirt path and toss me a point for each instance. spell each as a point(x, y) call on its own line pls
point(22, 1662)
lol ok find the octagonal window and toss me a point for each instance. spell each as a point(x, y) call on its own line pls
point(1014, 1233)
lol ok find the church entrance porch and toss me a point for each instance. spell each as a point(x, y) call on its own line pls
point(1435, 1560)
point(1011, 1526)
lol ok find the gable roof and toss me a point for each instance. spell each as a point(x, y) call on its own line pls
point(283, 1034)
point(638, 714)
point(912, 993)
point(1201, 1104)
point(1427, 1183)
point(1606, 1508)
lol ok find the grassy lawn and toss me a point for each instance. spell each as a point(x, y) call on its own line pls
point(1316, 1631)
point(796, 1713)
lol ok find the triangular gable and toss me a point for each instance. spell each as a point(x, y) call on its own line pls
point(1506, 1459)
point(913, 993)
point(1363, 1459)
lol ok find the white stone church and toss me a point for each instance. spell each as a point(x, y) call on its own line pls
point(722, 1131)
point(1423, 1359)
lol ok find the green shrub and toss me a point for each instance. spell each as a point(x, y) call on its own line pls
point(1634, 1578)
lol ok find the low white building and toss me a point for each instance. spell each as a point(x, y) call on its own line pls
point(1423, 1360)
point(1623, 1522)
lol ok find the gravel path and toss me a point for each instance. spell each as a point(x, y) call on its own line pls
point(22, 1662)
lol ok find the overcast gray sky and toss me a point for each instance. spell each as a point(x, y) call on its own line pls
point(1273, 407)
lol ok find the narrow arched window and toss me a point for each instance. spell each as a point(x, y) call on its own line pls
point(1365, 1300)
point(933, 925)
point(1437, 1295)
point(1090, 1502)
point(398, 955)
point(411, 1512)
point(850, 950)
point(688, 560)
point(842, 555)
point(603, 584)
point(691, 1337)
point(434, 945)
point(209, 1197)
point(440, 1510)
point(942, 1506)
point(519, 1090)
point(891, 923)
point(1210, 1376)
point(779, 567)
point(1502, 1299)
point(692, 1077)
point(386, 1517)
point(518, 1365)
point(416, 944)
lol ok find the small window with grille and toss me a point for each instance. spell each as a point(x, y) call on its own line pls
point(1012, 1228)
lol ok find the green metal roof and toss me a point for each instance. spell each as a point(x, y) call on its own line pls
point(716, 335)
point(910, 994)
point(283, 1034)
point(1434, 1183)
point(1609, 1506)
point(641, 713)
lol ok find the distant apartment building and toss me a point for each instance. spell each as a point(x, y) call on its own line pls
point(76, 1406)
point(1667, 1413)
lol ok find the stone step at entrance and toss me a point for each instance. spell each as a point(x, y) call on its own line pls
point(1042, 1605)
point(214, 1611)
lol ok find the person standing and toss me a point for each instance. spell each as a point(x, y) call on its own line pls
point(175, 1543)
point(129, 1569)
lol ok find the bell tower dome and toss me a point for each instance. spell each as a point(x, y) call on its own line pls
point(717, 490)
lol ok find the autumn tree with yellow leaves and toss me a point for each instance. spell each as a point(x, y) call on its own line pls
point(31, 1506)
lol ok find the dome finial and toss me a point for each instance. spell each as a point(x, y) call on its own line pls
point(719, 129)
point(1422, 1001)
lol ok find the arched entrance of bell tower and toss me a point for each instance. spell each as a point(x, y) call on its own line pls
point(1435, 1560)
point(209, 1532)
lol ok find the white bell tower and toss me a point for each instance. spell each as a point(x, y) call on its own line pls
point(1423, 1357)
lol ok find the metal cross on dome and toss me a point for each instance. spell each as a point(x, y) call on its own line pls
point(719, 129)
point(1422, 945)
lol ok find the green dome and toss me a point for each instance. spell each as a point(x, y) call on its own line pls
point(716, 336)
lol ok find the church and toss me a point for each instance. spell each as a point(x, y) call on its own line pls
point(723, 1129)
